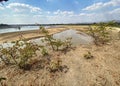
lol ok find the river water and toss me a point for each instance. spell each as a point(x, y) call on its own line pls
point(25, 28)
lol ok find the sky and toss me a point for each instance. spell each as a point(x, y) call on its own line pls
point(59, 11)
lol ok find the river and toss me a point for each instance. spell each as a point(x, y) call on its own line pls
point(24, 28)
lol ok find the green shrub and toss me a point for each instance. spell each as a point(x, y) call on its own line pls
point(19, 54)
point(100, 33)
point(27, 52)
point(48, 38)
point(55, 44)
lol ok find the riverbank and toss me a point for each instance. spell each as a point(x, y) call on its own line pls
point(32, 34)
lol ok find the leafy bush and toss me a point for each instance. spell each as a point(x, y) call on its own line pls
point(48, 38)
point(19, 53)
point(55, 44)
point(22, 52)
point(27, 52)
point(100, 33)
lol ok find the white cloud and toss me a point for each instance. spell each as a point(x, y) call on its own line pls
point(117, 10)
point(94, 6)
point(79, 18)
point(63, 13)
point(100, 5)
point(20, 7)
point(57, 16)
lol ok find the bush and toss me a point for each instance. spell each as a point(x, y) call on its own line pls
point(55, 44)
point(100, 33)
point(19, 53)
point(55, 65)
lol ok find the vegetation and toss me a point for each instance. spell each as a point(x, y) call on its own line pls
point(100, 32)
point(88, 55)
point(19, 54)
point(55, 44)
point(22, 54)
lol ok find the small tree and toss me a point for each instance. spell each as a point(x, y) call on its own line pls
point(48, 38)
point(55, 43)
point(100, 33)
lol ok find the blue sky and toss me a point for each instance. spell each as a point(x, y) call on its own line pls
point(59, 11)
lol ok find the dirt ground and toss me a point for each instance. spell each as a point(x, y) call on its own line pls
point(101, 70)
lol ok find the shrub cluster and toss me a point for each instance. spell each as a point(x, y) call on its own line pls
point(19, 54)
point(100, 32)
point(22, 52)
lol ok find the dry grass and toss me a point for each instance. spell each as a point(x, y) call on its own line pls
point(101, 70)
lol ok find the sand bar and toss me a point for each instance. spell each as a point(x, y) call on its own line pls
point(31, 34)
